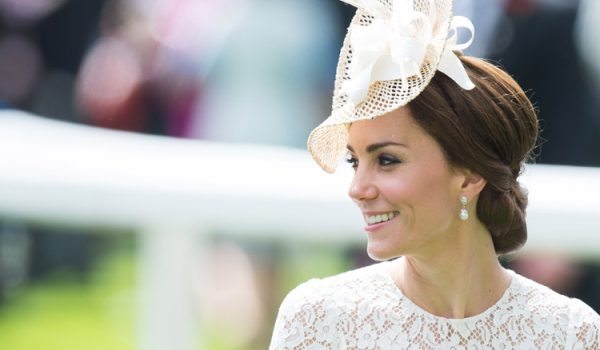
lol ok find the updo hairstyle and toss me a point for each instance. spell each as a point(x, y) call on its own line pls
point(490, 130)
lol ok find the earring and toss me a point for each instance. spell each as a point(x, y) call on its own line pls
point(464, 213)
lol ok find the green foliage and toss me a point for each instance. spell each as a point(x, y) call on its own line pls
point(61, 313)
point(303, 262)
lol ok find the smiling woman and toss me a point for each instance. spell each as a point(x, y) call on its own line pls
point(404, 186)
point(437, 141)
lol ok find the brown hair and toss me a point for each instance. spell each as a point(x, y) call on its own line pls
point(490, 130)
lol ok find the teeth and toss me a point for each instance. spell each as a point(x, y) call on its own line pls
point(375, 219)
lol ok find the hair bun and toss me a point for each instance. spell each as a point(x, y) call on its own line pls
point(504, 214)
point(490, 130)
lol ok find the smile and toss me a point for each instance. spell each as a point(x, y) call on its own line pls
point(379, 218)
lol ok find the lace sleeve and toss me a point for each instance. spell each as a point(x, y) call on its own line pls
point(301, 323)
point(585, 327)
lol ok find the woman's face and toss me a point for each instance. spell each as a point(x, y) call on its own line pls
point(405, 188)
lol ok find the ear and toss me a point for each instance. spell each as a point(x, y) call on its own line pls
point(473, 184)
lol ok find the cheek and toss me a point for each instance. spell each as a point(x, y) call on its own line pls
point(438, 203)
point(399, 191)
point(426, 197)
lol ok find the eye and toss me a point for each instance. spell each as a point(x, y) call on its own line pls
point(352, 161)
point(387, 160)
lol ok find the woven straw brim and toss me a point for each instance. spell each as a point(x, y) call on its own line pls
point(327, 143)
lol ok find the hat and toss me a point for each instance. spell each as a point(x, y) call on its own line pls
point(390, 53)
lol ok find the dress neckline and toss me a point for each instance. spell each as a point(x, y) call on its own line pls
point(389, 282)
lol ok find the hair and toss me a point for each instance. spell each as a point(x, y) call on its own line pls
point(490, 130)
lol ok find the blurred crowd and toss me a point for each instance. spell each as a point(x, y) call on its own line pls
point(262, 71)
point(230, 70)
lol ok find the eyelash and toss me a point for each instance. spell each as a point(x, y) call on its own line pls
point(384, 160)
point(352, 161)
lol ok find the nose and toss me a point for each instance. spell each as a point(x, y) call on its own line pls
point(362, 187)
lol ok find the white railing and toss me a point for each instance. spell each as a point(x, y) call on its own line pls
point(172, 191)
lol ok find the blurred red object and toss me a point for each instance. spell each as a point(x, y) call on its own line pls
point(109, 87)
point(521, 7)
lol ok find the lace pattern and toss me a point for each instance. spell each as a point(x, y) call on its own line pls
point(363, 309)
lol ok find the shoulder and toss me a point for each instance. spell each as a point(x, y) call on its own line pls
point(312, 312)
point(584, 330)
point(579, 323)
point(342, 287)
point(537, 296)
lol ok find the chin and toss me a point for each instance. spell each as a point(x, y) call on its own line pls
point(380, 253)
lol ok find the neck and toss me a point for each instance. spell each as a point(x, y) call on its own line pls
point(462, 279)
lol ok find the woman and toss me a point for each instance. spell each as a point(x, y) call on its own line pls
point(437, 141)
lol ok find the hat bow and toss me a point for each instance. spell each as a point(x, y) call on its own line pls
point(394, 46)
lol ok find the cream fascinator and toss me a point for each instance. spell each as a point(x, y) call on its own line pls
point(391, 52)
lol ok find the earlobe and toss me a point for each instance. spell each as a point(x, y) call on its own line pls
point(473, 184)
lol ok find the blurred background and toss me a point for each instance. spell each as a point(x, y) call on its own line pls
point(239, 72)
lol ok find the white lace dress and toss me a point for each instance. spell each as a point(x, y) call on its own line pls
point(363, 309)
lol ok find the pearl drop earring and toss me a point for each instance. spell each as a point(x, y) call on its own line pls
point(464, 213)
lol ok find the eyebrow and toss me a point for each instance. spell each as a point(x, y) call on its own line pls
point(375, 146)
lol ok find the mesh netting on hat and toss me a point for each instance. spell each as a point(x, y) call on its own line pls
point(327, 142)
